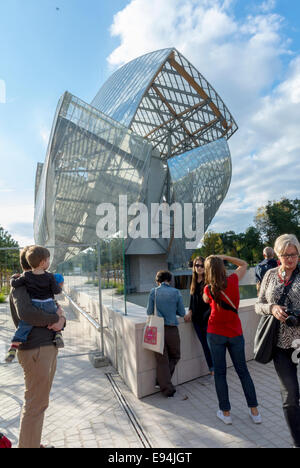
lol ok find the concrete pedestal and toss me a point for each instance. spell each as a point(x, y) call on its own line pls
point(123, 343)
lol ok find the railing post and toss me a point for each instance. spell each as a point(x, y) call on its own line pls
point(100, 298)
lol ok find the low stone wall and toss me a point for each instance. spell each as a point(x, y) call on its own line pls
point(123, 343)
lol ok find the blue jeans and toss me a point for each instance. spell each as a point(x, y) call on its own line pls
point(202, 335)
point(24, 329)
point(236, 346)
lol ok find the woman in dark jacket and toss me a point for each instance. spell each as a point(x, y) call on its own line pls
point(199, 311)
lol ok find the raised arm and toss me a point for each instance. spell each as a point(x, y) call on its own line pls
point(241, 265)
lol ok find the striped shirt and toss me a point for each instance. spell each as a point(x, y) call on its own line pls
point(269, 295)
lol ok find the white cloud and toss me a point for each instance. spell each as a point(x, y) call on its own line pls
point(268, 5)
point(16, 215)
point(243, 59)
point(243, 55)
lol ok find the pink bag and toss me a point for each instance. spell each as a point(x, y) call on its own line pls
point(154, 332)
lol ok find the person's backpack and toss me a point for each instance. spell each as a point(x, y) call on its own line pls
point(4, 442)
point(262, 268)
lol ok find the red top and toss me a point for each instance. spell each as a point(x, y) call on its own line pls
point(221, 321)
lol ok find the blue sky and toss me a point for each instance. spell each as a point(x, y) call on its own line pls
point(248, 50)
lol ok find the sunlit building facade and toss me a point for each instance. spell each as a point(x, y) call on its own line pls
point(156, 132)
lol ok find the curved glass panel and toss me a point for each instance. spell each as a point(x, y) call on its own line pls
point(202, 175)
point(155, 132)
point(92, 160)
point(162, 97)
point(120, 96)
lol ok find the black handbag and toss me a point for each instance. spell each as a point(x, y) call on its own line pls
point(266, 339)
point(266, 336)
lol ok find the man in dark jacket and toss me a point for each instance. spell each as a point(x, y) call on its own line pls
point(37, 357)
point(262, 268)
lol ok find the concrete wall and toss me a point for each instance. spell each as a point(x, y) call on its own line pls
point(143, 269)
point(123, 343)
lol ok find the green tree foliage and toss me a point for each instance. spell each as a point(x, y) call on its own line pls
point(6, 240)
point(276, 218)
point(212, 244)
point(9, 259)
point(246, 245)
point(271, 221)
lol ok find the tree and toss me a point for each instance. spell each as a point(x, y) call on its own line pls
point(249, 246)
point(6, 240)
point(271, 221)
point(230, 242)
point(277, 218)
point(212, 244)
point(9, 259)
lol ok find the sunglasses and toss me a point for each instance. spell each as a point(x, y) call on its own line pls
point(199, 266)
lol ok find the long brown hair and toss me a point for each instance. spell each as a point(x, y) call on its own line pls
point(215, 276)
point(195, 275)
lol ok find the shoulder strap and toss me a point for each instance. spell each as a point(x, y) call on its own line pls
point(224, 304)
point(229, 300)
point(155, 308)
point(287, 288)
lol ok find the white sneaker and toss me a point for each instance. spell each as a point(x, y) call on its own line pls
point(226, 419)
point(256, 419)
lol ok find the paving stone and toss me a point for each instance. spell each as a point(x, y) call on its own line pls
point(84, 412)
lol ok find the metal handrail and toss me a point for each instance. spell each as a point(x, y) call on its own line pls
point(84, 313)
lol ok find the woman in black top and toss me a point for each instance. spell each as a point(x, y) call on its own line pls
point(199, 311)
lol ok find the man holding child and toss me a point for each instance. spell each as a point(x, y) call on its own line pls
point(37, 355)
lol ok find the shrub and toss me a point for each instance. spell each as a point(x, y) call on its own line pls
point(2, 298)
point(120, 289)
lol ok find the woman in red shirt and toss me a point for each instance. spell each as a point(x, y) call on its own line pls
point(225, 332)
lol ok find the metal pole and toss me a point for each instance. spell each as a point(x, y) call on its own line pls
point(100, 298)
point(124, 275)
point(168, 172)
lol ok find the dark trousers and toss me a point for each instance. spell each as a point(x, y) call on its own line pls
point(289, 386)
point(166, 362)
point(202, 335)
point(236, 346)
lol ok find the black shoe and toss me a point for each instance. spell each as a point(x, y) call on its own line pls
point(58, 340)
point(11, 354)
point(171, 394)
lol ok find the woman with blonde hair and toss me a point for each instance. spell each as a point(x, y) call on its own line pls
point(225, 332)
point(199, 311)
point(279, 295)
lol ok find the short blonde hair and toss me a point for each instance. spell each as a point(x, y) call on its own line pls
point(284, 241)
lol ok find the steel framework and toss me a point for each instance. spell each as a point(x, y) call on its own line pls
point(156, 131)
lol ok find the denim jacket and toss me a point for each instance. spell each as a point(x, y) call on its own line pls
point(169, 303)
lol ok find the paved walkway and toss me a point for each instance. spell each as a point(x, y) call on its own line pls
point(86, 412)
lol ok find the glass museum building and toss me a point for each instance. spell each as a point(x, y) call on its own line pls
point(155, 133)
